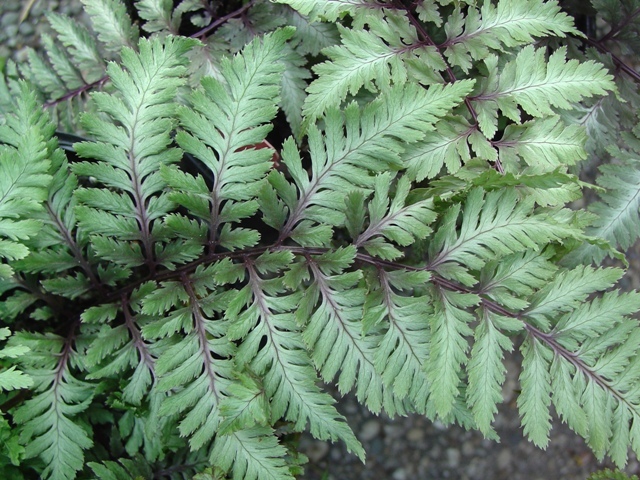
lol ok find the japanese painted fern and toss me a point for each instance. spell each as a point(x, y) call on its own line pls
point(176, 291)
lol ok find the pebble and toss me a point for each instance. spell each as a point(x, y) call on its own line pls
point(370, 430)
point(504, 459)
point(399, 474)
point(317, 450)
point(453, 457)
point(415, 435)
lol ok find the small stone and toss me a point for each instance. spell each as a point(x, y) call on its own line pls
point(504, 459)
point(399, 474)
point(415, 435)
point(26, 29)
point(369, 430)
point(316, 451)
point(453, 457)
point(467, 449)
point(393, 431)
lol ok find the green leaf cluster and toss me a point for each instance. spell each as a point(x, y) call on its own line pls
point(304, 192)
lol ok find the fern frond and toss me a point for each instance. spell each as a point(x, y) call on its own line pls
point(397, 222)
point(221, 131)
point(274, 348)
point(505, 24)
point(333, 332)
point(124, 469)
point(374, 139)
point(11, 378)
point(254, 453)
point(493, 226)
point(47, 421)
point(81, 46)
point(159, 16)
point(486, 370)
point(510, 280)
point(544, 145)
point(196, 366)
point(536, 86)
point(130, 155)
point(402, 351)
point(375, 59)
point(450, 327)
point(25, 146)
point(446, 146)
point(111, 22)
point(617, 219)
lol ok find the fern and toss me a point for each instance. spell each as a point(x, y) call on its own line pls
point(372, 195)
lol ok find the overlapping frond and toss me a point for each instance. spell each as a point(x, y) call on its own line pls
point(47, 420)
point(493, 225)
point(25, 149)
point(273, 347)
point(498, 26)
point(355, 143)
point(536, 85)
point(221, 129)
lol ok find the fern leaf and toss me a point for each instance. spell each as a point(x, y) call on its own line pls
point(111, 22)
point(374, 59)
point(11, 378)
point(159, 16)
point(197, 366)
point(486, 370)
point(24, 176)
point(81, 45)
point(535, 398)
point(492, 227)
point(450, 325)
point(374, 138)
point(512, 279)
point(445, 146)
point(544, 145)
point(294, 84)
point(254, 454)
point(536, 86)
point(569, 288)
point(47, 420)
point(223, 127)
point(505, 24)
point(618, 221)
point(124, 469)
point(129, 156)
point(397, 222)
point(281, 359)
point(401, 354)
point(333, 332)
